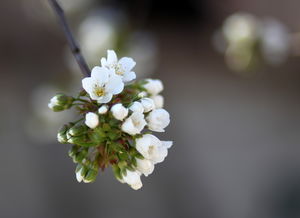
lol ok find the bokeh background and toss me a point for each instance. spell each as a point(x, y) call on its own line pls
point(236, 138)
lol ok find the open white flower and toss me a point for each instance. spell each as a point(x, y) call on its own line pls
point(133, 178)
point(158, 119)
point(103, 109)
point(102, 84)
point(119, 111)
point(152, 148)
point(134, 124)
point(122, 67)
point(144, 166)
point(91, 120)
point(158, 101)
point(148, 104)
point(154, 86)
point(137, 107)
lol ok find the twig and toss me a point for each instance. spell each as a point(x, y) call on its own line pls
point(71, 41)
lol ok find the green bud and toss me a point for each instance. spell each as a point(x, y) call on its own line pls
point(60, 102)
point(80, 156)
point(122, 164)
point(117, 172)
point(72, 152)
point(78, 168)
point(77, 130)
point(90, 176)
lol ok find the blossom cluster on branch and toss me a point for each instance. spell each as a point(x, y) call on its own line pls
point(118, 117)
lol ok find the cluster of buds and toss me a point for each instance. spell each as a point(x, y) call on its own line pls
point(246, 41)
point(117, 119)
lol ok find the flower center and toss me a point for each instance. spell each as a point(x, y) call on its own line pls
point(99, 91)
point(151, 149)
point(119, 70)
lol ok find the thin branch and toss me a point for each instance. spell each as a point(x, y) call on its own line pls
point(71, 41)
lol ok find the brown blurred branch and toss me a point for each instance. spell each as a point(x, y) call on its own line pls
point(71, 41)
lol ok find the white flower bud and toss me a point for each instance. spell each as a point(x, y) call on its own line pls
point(119, 111)
point(158, 119)
point(148, 104)
point(133, 178)
point(145, 166)
point(137, 107)
point(91, 120)
point(103, 109)
point(134, 124)
point(154, 86)
point(158, 101)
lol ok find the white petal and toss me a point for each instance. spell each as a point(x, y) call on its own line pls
point(111, 57)
point(100, 74)
point(105, 99)
point(88, 84)
point(103, 62)
point(115, 85)
point(167, 144)
point(127, 63)
point(129, 76)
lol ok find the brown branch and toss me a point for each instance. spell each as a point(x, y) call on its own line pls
point(71, 41)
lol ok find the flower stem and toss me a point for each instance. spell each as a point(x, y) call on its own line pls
point(71, 41)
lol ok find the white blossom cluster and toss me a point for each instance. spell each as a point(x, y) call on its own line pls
point(109, 87)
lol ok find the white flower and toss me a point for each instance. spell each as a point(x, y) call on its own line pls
point(122, 67)
point(134, 124)
point(133, 178)
point(144, 166)
point(158, 101)
point(158, 119)
point(79, 177)
point(152, 148)
point(53, 102)
point(103, 109)
point(137, 107)
point(148, 104)
point(119, 111)
point(91, 120)
point(154, 86)
point(102, 84)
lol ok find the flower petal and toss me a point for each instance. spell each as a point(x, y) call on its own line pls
point(111, 57)
point(105, 99)
point(103, 62)
point(87, 84)
point(128, 76)
point(100, 74)
point(127, 63)
point(114, 85)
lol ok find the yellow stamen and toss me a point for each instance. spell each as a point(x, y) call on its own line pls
point(99, 91)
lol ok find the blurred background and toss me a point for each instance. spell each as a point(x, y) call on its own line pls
point(235, 130)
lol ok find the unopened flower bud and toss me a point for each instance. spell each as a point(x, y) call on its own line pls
point(103, 109)
point(90, 176)
point(119, 111)
point(61, 135)
point(158, 101)
point(148, 104)
point(137, 107)
point(60, 102)
point(153, 86)
point(91, 120)
point(77, 130)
